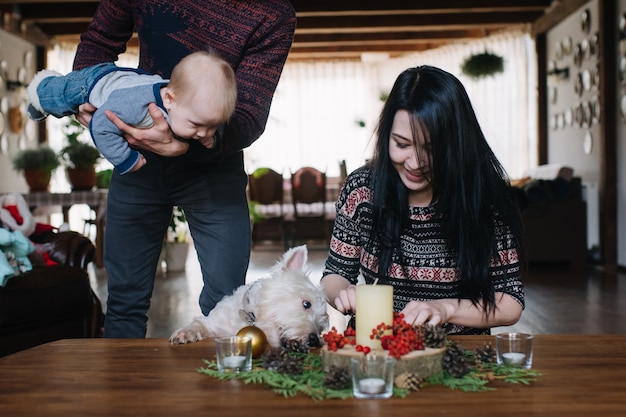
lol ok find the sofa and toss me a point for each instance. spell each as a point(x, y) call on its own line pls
point(54, 300)
point(554, 215)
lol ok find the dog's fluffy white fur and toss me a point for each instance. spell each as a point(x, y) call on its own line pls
point(286, 306)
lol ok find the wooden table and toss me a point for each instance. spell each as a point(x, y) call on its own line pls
point(96, 200)
point(582, 376)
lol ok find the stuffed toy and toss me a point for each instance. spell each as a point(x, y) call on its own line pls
point(14, 251)
point(15, 214)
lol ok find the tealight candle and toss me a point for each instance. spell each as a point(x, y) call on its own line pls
point(374, 305)
point(372, 385)
point(234, 361)
point(513, 358)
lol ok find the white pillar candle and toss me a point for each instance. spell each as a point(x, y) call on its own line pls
point(372, 385)
point(374, 305)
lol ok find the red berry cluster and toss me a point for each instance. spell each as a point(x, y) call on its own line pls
point(404, 338)
point(335, 340)
point(364, 349)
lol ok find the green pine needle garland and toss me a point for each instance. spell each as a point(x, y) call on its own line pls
point(311, 381)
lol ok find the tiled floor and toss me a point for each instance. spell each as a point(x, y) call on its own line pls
point(558, 300)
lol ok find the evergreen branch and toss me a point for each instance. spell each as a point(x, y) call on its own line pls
point(310, 381)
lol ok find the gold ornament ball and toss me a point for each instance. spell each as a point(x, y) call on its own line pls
point(259, 341)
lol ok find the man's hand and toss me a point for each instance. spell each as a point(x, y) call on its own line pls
point(157, 139)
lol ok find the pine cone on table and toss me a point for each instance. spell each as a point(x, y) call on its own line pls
point(434, 336)
point(485, 355)
point(408, 380)
point(337, 378)
point(454, 361)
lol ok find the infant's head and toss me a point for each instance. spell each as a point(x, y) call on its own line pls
point(200, 96)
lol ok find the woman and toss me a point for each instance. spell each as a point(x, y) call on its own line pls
point(432, 215)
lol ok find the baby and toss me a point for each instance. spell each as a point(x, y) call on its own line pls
point(199, 97)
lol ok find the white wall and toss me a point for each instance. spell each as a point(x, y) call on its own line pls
point(17, 62)
point(570, 142)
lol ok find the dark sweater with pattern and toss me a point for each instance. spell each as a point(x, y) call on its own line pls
point(423, 268)
point(254, 36)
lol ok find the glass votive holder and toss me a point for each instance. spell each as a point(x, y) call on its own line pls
point(515, 349)
point(372, 376)
point(233, 353)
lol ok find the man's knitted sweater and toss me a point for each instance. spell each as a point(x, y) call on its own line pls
point(254, 36)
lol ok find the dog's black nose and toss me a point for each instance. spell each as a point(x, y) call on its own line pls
point(314, 340)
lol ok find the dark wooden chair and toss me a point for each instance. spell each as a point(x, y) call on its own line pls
point(265, 192)
point(308, 194)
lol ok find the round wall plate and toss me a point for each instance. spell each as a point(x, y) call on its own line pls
point(585, 21)
point(588, 143)
point(567, 44)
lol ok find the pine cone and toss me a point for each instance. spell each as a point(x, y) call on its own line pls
point(272, 358)
point(281, 360)
point(337, 378)
point(295, 345)
point(291, 365)
point(486, 355)
point(434, 336)
point(454, 360)
point(408, 380)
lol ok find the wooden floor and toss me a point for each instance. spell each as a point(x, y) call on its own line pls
point(559, 300)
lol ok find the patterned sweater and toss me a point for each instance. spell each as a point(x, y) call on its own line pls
point(423, 269)
point(254, 36)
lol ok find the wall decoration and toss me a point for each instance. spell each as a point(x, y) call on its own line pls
point(567, 45)
point(588, 143)
point(28, 60)
point(578, 84)
point(595, 110)
point(586, 80)
point(594, 48)
point(16, 112)
point(558, 50)
point(585, 21)
point(579, 55)
point(569, 117)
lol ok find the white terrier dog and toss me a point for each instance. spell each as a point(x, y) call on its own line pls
point(286, 306)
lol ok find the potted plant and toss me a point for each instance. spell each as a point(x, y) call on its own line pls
point(482, 65)
point(37, 164)
point(80, 157)
point(176, 245)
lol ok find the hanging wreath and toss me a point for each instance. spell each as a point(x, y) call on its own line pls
point(482, 65)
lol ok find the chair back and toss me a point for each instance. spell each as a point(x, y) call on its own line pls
point(266, 186)
point(308, 185)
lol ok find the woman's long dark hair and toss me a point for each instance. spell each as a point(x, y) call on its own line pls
point(470, 188)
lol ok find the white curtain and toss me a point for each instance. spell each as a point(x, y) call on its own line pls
point(319, 108)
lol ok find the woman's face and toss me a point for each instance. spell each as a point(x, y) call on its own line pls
point(411, 159)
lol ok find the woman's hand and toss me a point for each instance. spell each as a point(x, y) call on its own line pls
point(157, 139)
point(431, 312)
point(463, 312)
point(345, 301)
point(340, 293)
